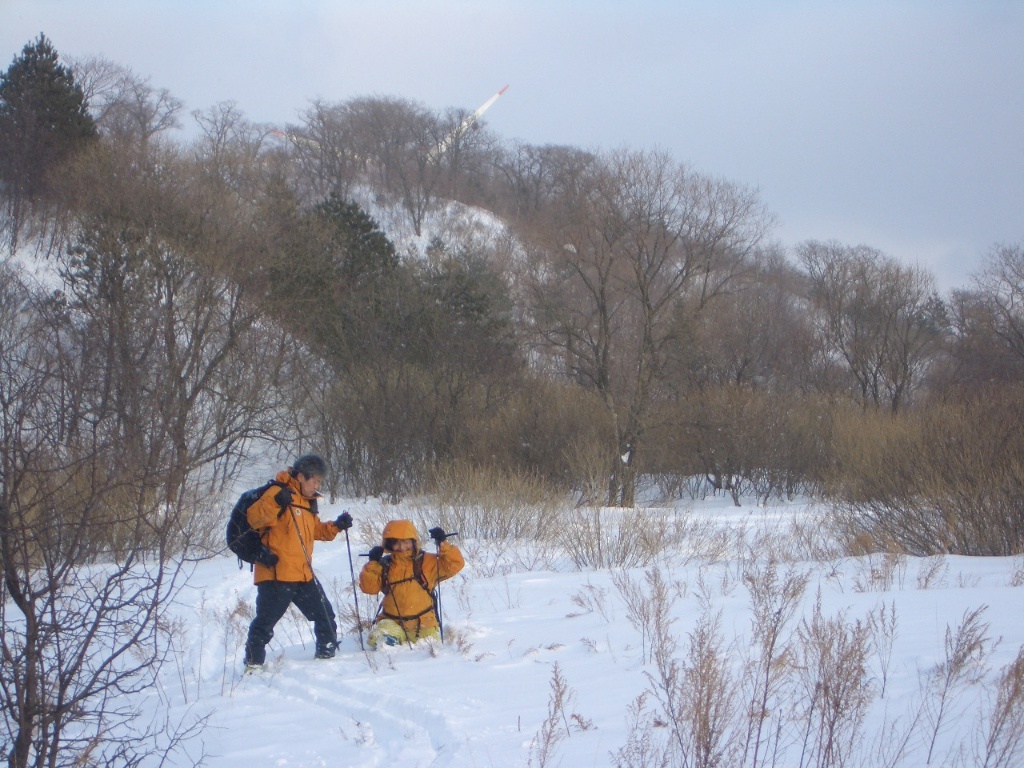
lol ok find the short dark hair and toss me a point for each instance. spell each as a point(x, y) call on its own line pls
point(310, 465)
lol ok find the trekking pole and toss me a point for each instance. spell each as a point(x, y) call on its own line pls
point(437, 601)
point(355, 592)
point(319, 586)
point(437, 589)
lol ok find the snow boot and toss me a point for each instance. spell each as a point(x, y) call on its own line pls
point(326, 651)
point(255, 655)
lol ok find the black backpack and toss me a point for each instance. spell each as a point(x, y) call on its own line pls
point(242, 538)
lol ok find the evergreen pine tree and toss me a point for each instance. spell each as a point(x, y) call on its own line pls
point(363, 253)
point(44, 119)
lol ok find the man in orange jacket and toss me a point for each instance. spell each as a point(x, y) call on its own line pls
point(407, 577)
point(286, 516)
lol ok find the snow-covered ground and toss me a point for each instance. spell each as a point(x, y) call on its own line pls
point(485, 697)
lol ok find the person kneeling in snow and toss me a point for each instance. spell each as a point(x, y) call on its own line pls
point(407, 577)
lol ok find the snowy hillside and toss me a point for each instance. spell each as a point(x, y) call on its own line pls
point(454, 225)
point(541, 667)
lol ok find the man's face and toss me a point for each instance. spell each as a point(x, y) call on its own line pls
point(403, 545)
point(309, 485)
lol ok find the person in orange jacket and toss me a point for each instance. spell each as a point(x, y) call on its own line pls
point(407, 577)
point(287, 516)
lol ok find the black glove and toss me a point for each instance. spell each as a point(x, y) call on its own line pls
point(376, 554)
point(284, 498)
point(344, 521)
point(437, 534)
point(266, 558)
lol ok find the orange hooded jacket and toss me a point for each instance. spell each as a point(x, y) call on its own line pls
point(285, 530)
point(406, 600)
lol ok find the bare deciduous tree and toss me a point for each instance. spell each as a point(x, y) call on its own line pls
point(635, 237)
point(125, 400)
point(882, 320)
point(397, 141)
point(1002, 282)
point(148, 270)
point(533, 178)
point(988, 320)
point(325, 152)
point(759, 337)
point(124, 105)
point(89, 549)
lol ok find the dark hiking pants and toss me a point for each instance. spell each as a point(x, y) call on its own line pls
point(273, 599)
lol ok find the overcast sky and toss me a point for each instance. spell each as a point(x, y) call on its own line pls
point(895, 124)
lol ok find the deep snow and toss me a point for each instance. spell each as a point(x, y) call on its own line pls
point(481, 698)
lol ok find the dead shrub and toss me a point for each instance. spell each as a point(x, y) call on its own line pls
point(622, 538)
point(645, 747)
point(695, 696)
point(487, 502)
point(880, 572)
point(591, 598)
point(744, 441)
point(534, 432)
point(949, 480)
point(883, 625)
point(589, 462)
point(698, 697)
point(648, 610)
point(233, 622)
point(483, 504)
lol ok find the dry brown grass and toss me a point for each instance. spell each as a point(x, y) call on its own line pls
point(966, 647)
point(633, 538)
point(1003, 745)
point(809, 690)
point(233, 623)
point(775, 598)
point(559, 723)
point(832, 663)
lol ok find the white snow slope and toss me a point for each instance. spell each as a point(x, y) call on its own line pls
point(484, 698)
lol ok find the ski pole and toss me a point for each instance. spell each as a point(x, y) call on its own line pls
point(355, 592)
point(437, 589)
point(324, 603)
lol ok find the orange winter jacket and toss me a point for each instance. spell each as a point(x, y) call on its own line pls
point(405, 599)
point(284, 530)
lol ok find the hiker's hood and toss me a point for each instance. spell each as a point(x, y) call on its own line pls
point(401, 529)
point(289, 480)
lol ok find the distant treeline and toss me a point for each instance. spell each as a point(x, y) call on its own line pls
point(407, 297)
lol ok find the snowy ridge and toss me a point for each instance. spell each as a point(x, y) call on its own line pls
point(453, 224)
